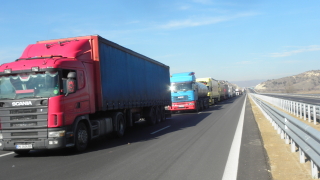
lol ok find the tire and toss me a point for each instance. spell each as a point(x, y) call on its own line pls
point(201, 105)
point(158, 115)
point(120, 124)
point(197, 107)
point(151, 116)
point(81, 137)
point(22, 152)
point(163, 113)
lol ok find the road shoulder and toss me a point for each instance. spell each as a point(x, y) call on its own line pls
point(253, 162)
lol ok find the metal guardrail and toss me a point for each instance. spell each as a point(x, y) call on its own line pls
point(302, 110)
point(295, 132)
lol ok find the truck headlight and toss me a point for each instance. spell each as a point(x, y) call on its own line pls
point(56, 133)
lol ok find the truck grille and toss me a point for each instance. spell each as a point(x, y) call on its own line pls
point(24, 134)
point(22, 111)
point(23, 117)
point(179, 98)
point(24, 123)
point(18, 118)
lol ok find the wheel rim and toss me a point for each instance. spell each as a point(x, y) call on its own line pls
point(82, 136)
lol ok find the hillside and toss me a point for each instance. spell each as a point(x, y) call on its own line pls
point(249, 83)
point(307, 82)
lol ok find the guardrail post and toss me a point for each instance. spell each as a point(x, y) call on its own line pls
point(287, 138)
point(314, 115)
point(278, 129)
point(293, 146)
point(309, 113)
point(300, 113)
point(302, 156)
point(304, 112)
point(314, 170)
point(282, 134)
point(284, 104)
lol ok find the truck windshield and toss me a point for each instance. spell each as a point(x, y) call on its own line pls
point(181, 86)
point(29, 85)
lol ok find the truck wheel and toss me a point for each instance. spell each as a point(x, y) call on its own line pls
point(207, 104)
point(82, 138)
point(22, 152)
point(197, 107)
point(163, 113)
point(151, 117)
point(120, 125)
point(158, 115)
point(201, 105)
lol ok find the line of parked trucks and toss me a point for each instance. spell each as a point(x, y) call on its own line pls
point(63, 93)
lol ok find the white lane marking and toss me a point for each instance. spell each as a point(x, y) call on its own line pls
point(231, 169)
point(6, 154)
point(160, 130)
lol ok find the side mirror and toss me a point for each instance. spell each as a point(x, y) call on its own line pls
point(71, 83)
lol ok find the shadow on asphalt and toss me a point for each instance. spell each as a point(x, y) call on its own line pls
point(138, 133)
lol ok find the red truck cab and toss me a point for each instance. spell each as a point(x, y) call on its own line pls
point(40, 102)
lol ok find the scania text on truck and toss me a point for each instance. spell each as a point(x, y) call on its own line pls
point(65, 92)
point(213, 89)
point(187, 94)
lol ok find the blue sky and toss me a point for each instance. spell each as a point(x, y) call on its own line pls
point(233, 40)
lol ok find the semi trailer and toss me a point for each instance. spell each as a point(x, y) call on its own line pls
point(63, 93)
point(213, 89)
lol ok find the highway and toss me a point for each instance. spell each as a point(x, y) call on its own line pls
point(211, 144)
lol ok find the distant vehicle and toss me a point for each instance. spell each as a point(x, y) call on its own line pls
point(224, 90)
point(213, 89)
point(238, 92)
point(231, 91)
point(65, 92)
point(187, 94)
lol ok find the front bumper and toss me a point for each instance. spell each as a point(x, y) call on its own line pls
point(52, 143)
point(181, 106)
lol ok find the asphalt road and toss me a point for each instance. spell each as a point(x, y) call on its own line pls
point(187, 146)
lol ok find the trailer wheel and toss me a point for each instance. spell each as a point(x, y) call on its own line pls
point(158, 115)
point(82, 137)
point(201, 106)
point(120, 124)
point(163, 113)
point(151, 117)
point(206, 104)
point(22, 152)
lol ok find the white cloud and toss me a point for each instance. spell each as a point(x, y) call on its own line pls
point(293, 52)
point(184, 7)
point(193, 22)
point(203, 1)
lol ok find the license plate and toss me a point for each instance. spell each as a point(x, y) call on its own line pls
point(181, 106)
point(24, 146)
